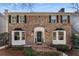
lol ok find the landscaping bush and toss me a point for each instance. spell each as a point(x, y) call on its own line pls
point(28, 51)
point(18, 48)
point(62, 48)
point(4, 38)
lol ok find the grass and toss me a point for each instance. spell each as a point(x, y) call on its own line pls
point(31, 52)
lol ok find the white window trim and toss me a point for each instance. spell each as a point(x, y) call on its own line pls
point(21, 19)
point(13, 19)
point(39, 29)
point(18, 42)
point(57, 41)
point(64, 18)
point(53, 19)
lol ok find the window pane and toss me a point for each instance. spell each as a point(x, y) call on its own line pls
point(53, 19)
point(17, 35)
point(23, 35)
point(54, 35)
point(14, 18)
point(61, 35)
point(21, 19)
point(64, 19)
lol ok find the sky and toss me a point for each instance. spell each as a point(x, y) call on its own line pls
point(38, 7)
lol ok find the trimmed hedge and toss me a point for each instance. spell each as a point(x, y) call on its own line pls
point(28, 51)
point(18, 48)
point(62, 48)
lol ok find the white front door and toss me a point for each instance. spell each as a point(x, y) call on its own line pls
point(18, 37)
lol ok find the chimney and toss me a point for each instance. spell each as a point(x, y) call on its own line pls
point(62, 10)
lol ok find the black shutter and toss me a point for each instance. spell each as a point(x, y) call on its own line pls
point(57, 19)
point(9, 18)
point(61, 18)
point(68, 19)
point(17, 18)
point(25, 20)
point(49, 19)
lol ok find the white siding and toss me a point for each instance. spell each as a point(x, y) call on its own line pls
point(75, 22)
point(3, 24)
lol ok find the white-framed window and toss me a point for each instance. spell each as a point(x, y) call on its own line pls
point(13, 19)
point(53, 19)
point(59, 37)
point(64, 18)
point(21, 19)
point(18, 37)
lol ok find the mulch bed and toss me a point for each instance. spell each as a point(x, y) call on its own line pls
point(11, 52)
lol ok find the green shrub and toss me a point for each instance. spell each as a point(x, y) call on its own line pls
point(62, 48)
point(18, 47)
point(28, 51)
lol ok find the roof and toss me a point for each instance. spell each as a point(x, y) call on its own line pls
point(39, 13)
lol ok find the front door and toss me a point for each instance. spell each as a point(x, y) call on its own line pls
point(39, 37)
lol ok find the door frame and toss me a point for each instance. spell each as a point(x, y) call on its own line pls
point(35, 33)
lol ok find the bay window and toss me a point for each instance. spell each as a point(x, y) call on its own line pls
point(59, 37)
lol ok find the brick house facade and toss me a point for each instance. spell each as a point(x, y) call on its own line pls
point(39, 27)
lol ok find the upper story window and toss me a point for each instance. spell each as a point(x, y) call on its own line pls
point(21, 19)
point(13, 19)
point(64, 19)
point(17, 19)
point(53, 19)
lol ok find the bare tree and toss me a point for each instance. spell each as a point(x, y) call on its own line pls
point(22, 6)
point(75, 6)
point(27, 6)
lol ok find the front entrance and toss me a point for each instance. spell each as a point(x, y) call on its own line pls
point(39, 36)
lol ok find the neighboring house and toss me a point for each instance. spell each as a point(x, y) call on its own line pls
point(39, 28)
point(75, 22)
point(3, 27)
